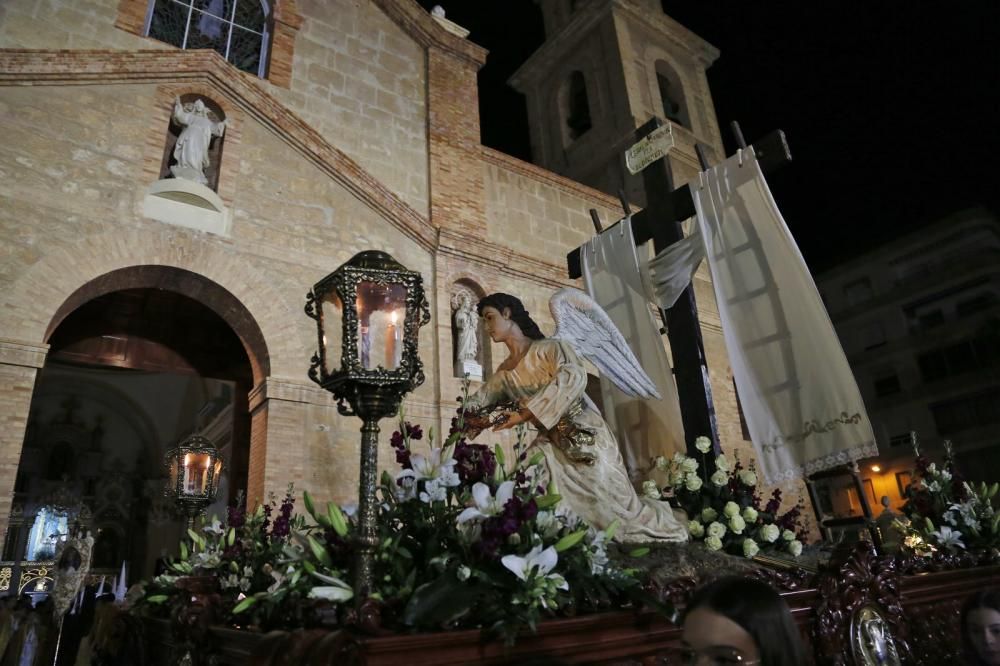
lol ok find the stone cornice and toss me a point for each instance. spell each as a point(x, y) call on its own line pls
point(540, 174)
point(502, 259)
point(289, 390)
point(92, 67)
point(22, 353)
point(427, 32)
point(555, 46)
point(664, 24)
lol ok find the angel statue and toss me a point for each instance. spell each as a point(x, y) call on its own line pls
point(545, 379)
point(191, 150)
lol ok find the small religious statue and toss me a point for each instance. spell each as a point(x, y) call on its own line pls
point(191, 150)
point(542, 383)
point(466, 336)
point(886, 523)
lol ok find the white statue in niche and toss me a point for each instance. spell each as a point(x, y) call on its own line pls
point(191, 150)
point(466, 336)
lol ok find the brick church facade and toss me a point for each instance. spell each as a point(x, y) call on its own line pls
point(362, 134)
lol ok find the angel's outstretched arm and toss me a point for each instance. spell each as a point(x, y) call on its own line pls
point(567, 386)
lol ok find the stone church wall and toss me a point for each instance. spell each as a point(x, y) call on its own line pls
point(73, 211)
point(356, 77)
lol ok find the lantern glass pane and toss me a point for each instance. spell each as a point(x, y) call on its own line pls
point(196, 467)
point(173, 473)
point(381, 315)
point(332, 320)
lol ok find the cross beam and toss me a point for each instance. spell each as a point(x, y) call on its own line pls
point(660, 221)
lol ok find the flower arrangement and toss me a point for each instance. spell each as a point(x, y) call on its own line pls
point(723, 507)
point(466, 538)
point(943, 511)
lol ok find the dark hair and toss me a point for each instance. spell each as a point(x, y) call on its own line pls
point(499, 301)
point(981, 599)
point(760, 611)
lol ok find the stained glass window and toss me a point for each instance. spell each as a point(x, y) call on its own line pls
point(236, 29)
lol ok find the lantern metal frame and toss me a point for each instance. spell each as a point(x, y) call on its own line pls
point(193, 505)
point(372, 393)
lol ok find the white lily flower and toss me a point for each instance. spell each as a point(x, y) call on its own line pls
point(486, 504)
point(538, 563)
point(947, 537)
point(215, 527)
point(429, 467)
point(434, 491)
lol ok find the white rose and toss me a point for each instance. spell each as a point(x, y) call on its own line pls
point(731, 509)
point(650, 490)
point(748, 477)
point(703, 444)
point(722, 463)
point(750, 548)
point(689, 465)
point(676, 478)
point(708, 514)
point(696, 529)
point(661, 463)
point(693, 483)
point(737, 524)
point(717, 529)
point(713, 543)
point(750, 514)
point(770, 533)
point(720, 478)
point(463, 573)
point(788, 535)
point(795, 547)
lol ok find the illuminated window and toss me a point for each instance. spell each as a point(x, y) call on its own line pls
point(236, 29)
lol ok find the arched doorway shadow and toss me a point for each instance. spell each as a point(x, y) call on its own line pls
point(152, 345)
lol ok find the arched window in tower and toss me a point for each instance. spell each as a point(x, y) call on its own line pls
point(237, 29)
point(671, 94)
point(575, 106)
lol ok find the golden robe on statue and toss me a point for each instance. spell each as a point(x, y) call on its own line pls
point(581, 453)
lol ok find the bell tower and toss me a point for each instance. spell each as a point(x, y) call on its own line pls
point(605, 68)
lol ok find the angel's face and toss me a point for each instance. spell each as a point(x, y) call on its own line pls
point(497, 325)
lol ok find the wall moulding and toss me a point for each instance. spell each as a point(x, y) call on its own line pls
point(209, 71)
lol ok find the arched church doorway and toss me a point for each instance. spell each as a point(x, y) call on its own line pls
point(139, 359)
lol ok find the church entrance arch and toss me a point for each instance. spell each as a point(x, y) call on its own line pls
point(139, 358)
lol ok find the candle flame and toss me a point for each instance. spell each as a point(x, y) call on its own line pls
point(393, 316)
point(187, 459)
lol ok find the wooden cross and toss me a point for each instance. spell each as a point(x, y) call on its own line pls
point(660, 221)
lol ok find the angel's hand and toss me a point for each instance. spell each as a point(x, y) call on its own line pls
point(523, 415)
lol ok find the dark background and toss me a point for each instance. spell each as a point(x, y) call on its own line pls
point(890, 107)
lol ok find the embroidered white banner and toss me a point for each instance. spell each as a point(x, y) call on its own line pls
point(799, 396)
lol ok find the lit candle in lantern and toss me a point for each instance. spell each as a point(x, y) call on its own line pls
point(203, 479)
point(187, 472)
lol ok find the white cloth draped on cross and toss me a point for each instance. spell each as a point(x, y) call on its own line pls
point(799, 396)
point(645, 428)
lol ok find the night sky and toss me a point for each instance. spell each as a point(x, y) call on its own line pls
point(890, 107)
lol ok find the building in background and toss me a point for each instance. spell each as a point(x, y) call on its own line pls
point(919, 319)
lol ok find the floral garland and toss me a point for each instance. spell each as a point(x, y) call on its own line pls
point(723, 508)
point(943, 511)
point(465, 538)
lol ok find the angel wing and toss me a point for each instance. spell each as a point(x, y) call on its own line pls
point(589, 330)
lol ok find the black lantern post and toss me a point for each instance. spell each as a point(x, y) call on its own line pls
point(368, 314)
point(193, 470)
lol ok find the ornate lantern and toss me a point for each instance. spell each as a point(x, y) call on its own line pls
point(368, 314)
point(193, 469)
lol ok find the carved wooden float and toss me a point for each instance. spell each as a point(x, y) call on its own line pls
point(918, 600)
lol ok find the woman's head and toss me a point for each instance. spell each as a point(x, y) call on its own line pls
point(745, 618)
point(980, 622)
point(506, 308)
